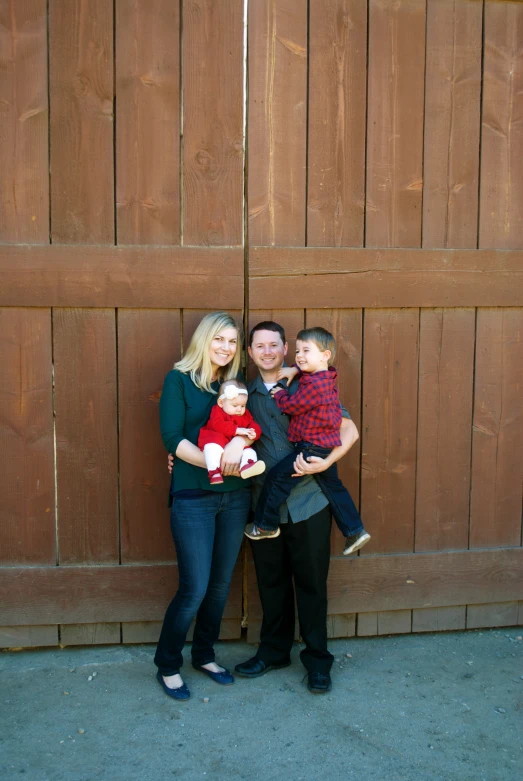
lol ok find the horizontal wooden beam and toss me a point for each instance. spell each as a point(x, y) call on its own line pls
point(60, 595)
point(364, 584)
point(318, 277)
point(93, 594)
point(141, 277)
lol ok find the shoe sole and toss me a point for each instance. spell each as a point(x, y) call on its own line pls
point(267, 670)
point(256, 469)
point(257, 537)
point(357, 545)
point(319, 691)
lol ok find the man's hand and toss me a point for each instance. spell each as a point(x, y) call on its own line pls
point(170, 463)
point(310, 466)
point(231, 457)
point(246, 432)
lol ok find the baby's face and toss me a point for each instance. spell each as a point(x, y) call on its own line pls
point(234, 406)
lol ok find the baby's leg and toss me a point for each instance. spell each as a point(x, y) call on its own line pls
point(213, 456)
point(249, 464)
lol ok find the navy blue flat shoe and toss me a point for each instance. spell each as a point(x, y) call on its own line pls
point(225, 677)
point(181, 693)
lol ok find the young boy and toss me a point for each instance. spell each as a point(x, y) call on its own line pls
point(314, 428)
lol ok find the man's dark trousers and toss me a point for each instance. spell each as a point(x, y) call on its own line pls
point(302, 552)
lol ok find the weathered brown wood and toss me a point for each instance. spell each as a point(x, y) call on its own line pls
point(81, 101)
point(149, 631)
point(148, 346)
point(159, 278)
point(95, 593)
point(346, 327)
point(147, 122)
point(336, 131)
point(501, 186)
point(497, 438)
point(212, 122)
point(395, 123)
point(24, 183)
point(367, 624)
point(366, 584)
point(500, 614)
point(277, 121)
point(89, 634)
point(17, 637)
point(27, 496)
point(446, 374)
point(452, 123)
point(394, 622)
point(341, 625)
point(390, 393)
point(438, 619)
point(84, 344)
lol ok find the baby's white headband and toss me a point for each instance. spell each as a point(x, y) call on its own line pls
point(232, 392)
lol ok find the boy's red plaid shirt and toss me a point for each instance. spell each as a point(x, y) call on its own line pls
point(315, 409)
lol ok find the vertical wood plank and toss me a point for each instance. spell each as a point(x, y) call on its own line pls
point(213, 122)
point(394, 622)
point(27, 496)
point(390, 390)
point(497, 439)
point(89, 634)
point(28, 636)
point(438, 619)
point(446, 374)
point(336, 132)
point(346, 327)
point(81, 73)
point(501, 189)
point(395, 123)
point(452, 123)
point(24, 183)
point(86, 439)
point(148, 122)
point(148, 346)
point(494, 614)
point(367, 624)
point(277, 129)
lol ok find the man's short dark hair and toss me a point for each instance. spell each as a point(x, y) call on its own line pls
point(267, 325)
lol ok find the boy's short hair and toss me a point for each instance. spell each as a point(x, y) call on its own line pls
point(320, 337)
point(267, 325)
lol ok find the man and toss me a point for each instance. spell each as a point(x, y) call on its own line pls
point(297, 561)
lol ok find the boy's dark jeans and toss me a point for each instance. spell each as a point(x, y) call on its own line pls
point(279, 483)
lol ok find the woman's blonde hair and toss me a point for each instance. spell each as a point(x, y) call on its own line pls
point(196, 361)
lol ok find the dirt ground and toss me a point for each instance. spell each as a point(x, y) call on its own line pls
point(433, 707)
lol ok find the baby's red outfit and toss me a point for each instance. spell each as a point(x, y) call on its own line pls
point(221, 428)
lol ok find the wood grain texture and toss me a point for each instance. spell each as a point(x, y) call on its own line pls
point(395, 123)
point(121, 277)
point(17, 637)
point(342, 625)
point(27, 498)
point(86, 436)
point(501, 186)
point(336, 123)
point(212, 122)
point(394, 622)
point(95, 593)
point(148, 346)
point(452, 123)
point(389, 423)
point(277, 122)
point(149, 631)
point(81, 101)
point(24, 184)
point(446, 376)
point(497, 439)
point(89, 634)
point(346, 327)
point(439, 619)
point(500, 614)
point(367, 584)
point(367, 624)
point(148, 121)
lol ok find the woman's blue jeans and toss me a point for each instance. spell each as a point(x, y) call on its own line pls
point(207, 532)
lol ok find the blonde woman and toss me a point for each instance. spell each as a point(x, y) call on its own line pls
point(207, 521)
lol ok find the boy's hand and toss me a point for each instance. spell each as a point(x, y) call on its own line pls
point(246, 432)
point(170, 463)
point(275, 390)
point(287, 373)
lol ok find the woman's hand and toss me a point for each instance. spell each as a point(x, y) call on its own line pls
point(170, 463)
point(231, 457)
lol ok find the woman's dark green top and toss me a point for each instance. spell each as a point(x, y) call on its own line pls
point(184, 409)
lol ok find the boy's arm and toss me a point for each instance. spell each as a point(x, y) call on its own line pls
point(348, 435)
point(303, 400)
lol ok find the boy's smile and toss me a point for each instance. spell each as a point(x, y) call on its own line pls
point(310, 359)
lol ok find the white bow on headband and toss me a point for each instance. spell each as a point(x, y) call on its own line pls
point(232, 392)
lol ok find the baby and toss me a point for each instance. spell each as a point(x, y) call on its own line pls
point(229, 418)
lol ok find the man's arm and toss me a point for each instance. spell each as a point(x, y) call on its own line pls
point(348, 435)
